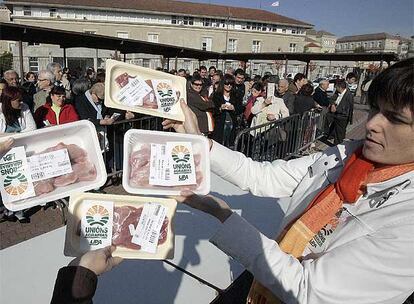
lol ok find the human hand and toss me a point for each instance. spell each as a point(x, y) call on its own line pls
point(271, 117)
point(189, 126)
point(230, 107)
point(129, 115)
point(106, 121)
point(333, 108)
point(5, 146)
point(208, 204)
point(98, 261)
point(268, 101)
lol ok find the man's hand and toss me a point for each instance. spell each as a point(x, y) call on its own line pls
point(129, 115)
point(271, 117)
point(268, 101)
point(189, 126)
point(208, 204)
point(106, 121)
point(333, 108)
point(5, 146)
point(98, 261)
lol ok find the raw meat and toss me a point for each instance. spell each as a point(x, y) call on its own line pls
point(140, 169)
point(44, 186)
point(125, 216)
point(82, 169)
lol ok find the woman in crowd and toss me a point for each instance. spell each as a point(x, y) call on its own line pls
point(215, 81)
point(226, 110)
point(200, 105)
point(29, 84)
point(304, 101)
point(3, 85)
point(15, 116)
point(55, 111)
point(79, 87)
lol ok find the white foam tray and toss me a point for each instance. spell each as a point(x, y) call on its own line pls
point(134, 138)
point(81, 133)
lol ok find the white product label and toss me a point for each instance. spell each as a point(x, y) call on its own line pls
point(48, 165)
point(149, 227)
point(15, 180)
point(172, 164)
point(96, 224)
point(270, 89)
point(181, 163)
point(165, 94)
point(134, 92)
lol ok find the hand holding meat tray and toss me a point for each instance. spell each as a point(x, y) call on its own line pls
point(140, 227)
point(133, 88)
point(51, 163)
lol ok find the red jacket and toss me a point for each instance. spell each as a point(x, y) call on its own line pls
point(45, 112)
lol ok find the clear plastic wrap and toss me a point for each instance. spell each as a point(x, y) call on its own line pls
point(98, 220)
point(187, 163)
point(133, 88)
point(51, 163)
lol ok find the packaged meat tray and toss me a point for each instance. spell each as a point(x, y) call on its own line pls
point(140, 227)
point(133, 88)
point(51, 163)
point(165, 163)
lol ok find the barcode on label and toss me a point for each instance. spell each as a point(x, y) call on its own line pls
point(167, 174)
point(38, 175)
point(163, 149)
point(152, 237)
point(134, 83)
point(122, 98)
point(157, 211)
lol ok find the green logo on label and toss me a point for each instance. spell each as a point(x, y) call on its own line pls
point(164, 90)
point(180, 154)
point(15, 184)
point(97, 215)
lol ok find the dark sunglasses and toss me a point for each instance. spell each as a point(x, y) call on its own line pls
point(229, 83)
point(197, 84)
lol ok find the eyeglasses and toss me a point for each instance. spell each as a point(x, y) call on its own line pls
point(198, 84)
point(229, 83)
point(41, 79)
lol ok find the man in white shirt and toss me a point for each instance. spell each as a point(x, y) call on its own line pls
point(368, 256)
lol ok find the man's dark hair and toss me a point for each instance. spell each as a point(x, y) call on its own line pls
point(265, 77)
point(258, 86)
point(306, 90)
point(196, 77)
point(182, 70)
point(257, 78)
point(351, 75)
point(393, 88)
point(239, 72)
point(341, 83)
point(212, 68)
point(203, 67)
point(298, 77)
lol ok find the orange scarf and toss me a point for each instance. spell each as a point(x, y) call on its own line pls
point(358, 172)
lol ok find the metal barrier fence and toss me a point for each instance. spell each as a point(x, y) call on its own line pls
point(111, 139)
point(281, 138)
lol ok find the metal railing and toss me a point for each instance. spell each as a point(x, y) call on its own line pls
point(281, 138)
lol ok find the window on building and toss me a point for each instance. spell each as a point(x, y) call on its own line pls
point(284, 30)
point(365, 45)
point(206, 43)
point(372, 44)
point(379, 44)
point(206, 22)
point(27, 10)
point(53, 12)
point(174, 20)
point(33, 43)
point(264, 27)
point(188, 20)
point(33, 64)
point(292, 47)
point(232, 46)
point(256, 46)
point(146, 63)
point(124, 35)
point(293, 31)
point(152, 38)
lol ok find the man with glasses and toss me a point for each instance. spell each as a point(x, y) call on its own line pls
point(45, 84)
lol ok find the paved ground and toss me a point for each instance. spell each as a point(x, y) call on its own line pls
point(43, 221)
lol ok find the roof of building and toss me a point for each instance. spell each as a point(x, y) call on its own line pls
point(365, 37)
point(320, 33)
point(173, 7)
point(312, 44)
point(308, 39)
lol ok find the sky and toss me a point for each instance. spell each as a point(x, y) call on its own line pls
point(341, 17)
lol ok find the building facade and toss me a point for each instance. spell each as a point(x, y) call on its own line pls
point(379, 42)
point(320, 42)
point(194, 25)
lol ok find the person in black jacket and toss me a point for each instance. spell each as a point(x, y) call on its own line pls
point(200, 105)
point(76, 283)
point(303, 100)
point(320, 95)
point(226, 109)
point(340, 112)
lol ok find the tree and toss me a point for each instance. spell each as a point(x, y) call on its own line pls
point(6, 61)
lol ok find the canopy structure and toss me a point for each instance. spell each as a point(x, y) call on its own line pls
point(70, 39)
